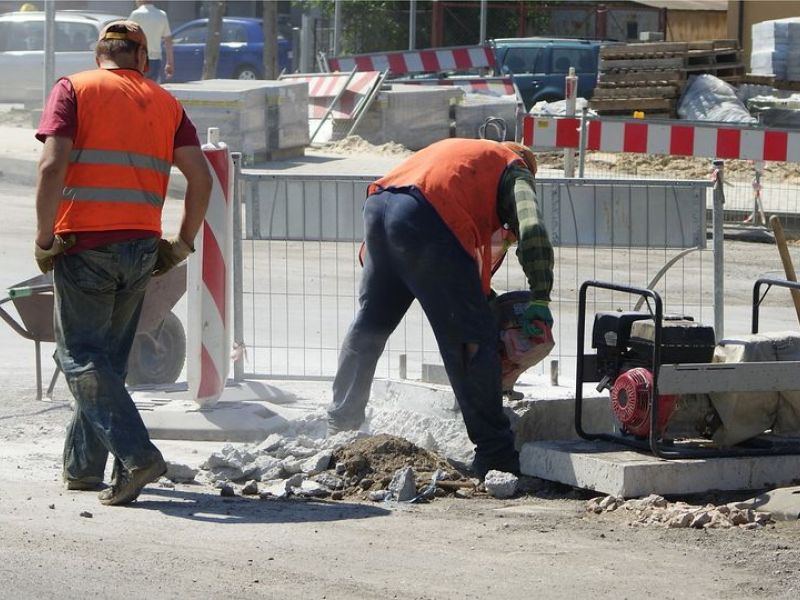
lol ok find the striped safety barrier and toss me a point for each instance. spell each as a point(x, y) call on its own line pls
point(491, 86)
point(675, 139)
point(432, 60)
point(210, 285)
point(324, 87)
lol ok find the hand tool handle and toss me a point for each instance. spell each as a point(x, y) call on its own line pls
point(786, 259)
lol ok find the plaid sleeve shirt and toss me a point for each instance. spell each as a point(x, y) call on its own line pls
point(517, 206)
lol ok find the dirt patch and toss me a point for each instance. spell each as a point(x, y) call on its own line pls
point(370, 463)
point(669, 167)
point(354, 144)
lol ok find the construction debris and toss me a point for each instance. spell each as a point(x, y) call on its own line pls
point(655, 510)
point(499, 484)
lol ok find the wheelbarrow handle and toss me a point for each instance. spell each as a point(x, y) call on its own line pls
point(29, 290)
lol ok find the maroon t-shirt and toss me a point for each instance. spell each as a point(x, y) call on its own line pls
point(60, 118)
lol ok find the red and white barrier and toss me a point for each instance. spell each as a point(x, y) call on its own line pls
point(209, 283)
point(324, 87)
point(432, 60)
point(678, 139)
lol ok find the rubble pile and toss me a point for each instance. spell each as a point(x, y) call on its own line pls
point(347, 465)
point(655, 510)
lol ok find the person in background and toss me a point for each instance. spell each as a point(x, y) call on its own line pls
point(155, 24)
point(430, 231)
point(110, 137)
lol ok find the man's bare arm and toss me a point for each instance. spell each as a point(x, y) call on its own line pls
point(192, 163)
point(169, 66)
point(52, 171)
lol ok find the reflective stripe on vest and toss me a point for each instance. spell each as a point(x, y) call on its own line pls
point(126, 195)
point(125, 159)
point(460, 178)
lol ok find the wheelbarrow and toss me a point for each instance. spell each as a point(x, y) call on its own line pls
point(159, 347)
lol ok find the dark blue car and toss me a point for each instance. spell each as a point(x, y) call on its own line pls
point(241, 50)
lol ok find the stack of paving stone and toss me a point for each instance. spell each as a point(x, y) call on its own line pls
point(264, 120)
point(412, 115)
point(650, 77)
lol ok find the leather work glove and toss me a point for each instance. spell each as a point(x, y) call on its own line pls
point(171, 252)
point(537, 310)
point(44, 257)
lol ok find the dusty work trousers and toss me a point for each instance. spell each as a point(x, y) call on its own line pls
point(411, 253)
point(98, 299)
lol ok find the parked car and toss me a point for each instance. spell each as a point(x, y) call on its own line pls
point(22, 49)
point(241, 50)
point(539, 65)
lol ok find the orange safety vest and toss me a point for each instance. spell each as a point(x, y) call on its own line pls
point(461, 179)
point(122, 153)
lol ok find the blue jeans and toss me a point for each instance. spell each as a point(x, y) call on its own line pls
point(153, 69)
point(98, 299)
point(411, 253)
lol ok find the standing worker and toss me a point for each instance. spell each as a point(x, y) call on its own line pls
point(155, 24)
point(428, 227)
point(110, 136)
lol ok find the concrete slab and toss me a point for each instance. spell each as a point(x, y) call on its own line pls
point(619, 471)
point(782, 503)
point(247, 412)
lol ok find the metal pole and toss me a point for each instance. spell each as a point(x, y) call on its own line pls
point(238, 304)
point(49, 48)
point(571, 99)
point(582, 144)
point(337, 26)
point(412, 24)
point(306, 43)
point(483, 21)
point(719, 253)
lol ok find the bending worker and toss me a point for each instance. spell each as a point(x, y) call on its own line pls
point(429, 226)
point(110, 136)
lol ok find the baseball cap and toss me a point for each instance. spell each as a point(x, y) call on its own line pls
point(123, 29)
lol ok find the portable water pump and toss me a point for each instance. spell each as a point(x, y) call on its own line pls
point(624, 343)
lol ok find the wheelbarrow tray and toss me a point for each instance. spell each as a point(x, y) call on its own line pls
point(34, 302)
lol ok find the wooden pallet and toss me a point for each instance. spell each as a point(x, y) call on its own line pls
point(636, 92)
point(632, 104)
point(643, 64)
point(641, 77)
point(643, 50)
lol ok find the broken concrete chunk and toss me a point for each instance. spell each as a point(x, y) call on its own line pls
point(378, 495)
point(700, 520)
point(291, 465)
point(610, 503)
point(317, 463)
point(250, 488)
point(329, 480)
point(500, 484)
point(272, 443)
point(180, 473)
point(226, 489)
point(311, 489)
point(404, 484)
point(273, 489)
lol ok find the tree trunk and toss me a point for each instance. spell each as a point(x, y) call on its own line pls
point(213, 39)
point(270, 26)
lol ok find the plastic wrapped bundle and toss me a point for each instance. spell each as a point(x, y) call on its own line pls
point(708, 98)
point(771, 46)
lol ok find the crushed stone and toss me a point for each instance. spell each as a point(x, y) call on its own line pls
point(655, 510)
point(354, 144)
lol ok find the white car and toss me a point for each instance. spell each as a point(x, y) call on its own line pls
point(22, 50)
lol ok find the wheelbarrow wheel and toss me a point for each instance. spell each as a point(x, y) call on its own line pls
point(157, 356)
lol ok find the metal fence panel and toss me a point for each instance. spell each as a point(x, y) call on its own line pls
point(301, 272)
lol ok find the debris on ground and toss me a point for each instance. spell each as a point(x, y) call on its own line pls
point(354, 144)
point(656, 510)
point(499, 484)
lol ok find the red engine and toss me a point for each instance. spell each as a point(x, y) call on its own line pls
point(630, 402)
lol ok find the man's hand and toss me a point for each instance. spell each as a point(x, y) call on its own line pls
point(168, 71)
point(537, 310)
point(171, 252)
point(44, 256)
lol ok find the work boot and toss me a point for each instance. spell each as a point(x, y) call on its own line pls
point(128, 484)
point(335, 427)
point(481, 466)
point(90, 484)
